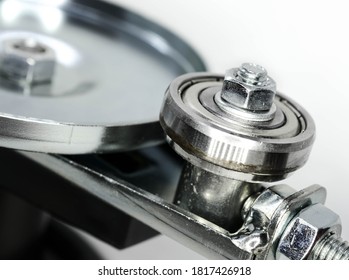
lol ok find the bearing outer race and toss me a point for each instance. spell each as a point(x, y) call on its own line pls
point(193, 136)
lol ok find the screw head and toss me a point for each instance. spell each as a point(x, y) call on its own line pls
point(26, 61)
point(249, 87)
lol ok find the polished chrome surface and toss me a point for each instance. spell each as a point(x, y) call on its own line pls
point(111, 67)
point(258, 214)
point(228, 150)
point(217, 142)
point(295, 225)
point(216, 198)
point(249, 87)
point(281, 223)
point(277, 126)
point(24, 62)
point(270, 213)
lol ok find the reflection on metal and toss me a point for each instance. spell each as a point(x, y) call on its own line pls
point(216, 198)
point(232, 146)
point(111, 67)
point(85, 76)
point(187, 228)
point(236, 133)
point(265, 216)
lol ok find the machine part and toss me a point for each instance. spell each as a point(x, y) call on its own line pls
point(28, 233)
point(152, 168)
point(67, 76)
point(101, 195)
point(225, 145)
point(216, 198)
point(331, 247)
point(25, 62)
point(305, 230)
point(231, 144)
point(28, 60)
point(270, 212)
point(249, 87)
point(285, 224)
point(234, 132)
point(80, 179)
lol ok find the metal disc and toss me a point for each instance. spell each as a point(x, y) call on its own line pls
point(106, 87)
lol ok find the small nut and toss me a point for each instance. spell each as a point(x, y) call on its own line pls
point(249, 87)
point(305, 230)
point(26, 61)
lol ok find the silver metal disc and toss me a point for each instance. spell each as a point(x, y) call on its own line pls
point(111, 70)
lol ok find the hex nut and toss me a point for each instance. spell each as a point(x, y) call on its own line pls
point(26, 60)
point(254, 92)
point(305, 230)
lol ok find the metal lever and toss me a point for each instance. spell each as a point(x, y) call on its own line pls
point(187, 228)
point(267, 215)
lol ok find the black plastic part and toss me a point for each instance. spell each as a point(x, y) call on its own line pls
point(29, 233)
point(22, 226)
point(61, 198)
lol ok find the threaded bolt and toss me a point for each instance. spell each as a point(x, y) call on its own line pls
point(252, 73)
point(331, 247)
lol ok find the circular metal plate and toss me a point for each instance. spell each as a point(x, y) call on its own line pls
point(112, 68)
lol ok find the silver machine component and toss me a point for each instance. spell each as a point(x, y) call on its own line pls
point(26, 61)
point(222, 143)
point(66, 70)
point(238, 134)
point(249, 87)
point(306, 228)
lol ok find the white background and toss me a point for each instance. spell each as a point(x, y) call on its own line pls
point(304, 45)
point(89, 270)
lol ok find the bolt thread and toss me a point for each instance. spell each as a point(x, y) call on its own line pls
point(331, 248)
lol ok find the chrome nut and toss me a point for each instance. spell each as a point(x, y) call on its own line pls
point(249, 87)
point(26, 61)
point(305, 230)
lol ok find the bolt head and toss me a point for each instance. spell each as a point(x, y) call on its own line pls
point(249, 87)
point(26, 61)
point(305, 230)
